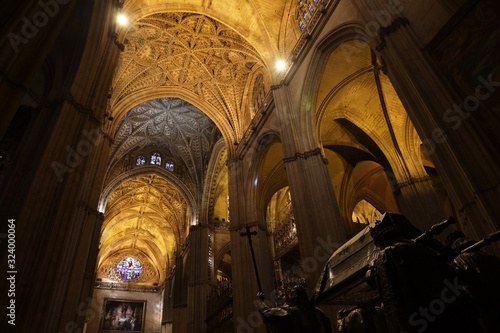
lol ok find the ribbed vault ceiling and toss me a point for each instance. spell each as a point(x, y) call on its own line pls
point(169, 123)
point(147, 214)
point(192, 55)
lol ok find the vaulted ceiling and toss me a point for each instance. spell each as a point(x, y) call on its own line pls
point(172, 124)
point(192, 57)
point(148, 215)
point(259, 21)
point(185, 72)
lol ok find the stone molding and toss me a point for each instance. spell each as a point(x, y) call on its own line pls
point(305, 156)
point(413, 181)
point(80, 108)
point(243, 226)
point(386, 31)
point(91, 211)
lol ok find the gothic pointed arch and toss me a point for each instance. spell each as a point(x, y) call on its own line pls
point(215, 183)
point(147, 170)
point(144, 213)
point(189, 56)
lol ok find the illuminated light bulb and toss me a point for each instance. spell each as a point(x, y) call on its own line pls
point(122, 19)
point(280, 65)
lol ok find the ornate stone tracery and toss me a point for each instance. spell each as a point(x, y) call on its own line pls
point(171, 124)
point(191, 53)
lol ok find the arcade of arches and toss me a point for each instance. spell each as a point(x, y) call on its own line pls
point(134, 155)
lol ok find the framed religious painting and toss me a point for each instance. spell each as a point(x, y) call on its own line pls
point(123, 315)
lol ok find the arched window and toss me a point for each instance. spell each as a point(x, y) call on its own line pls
point(156, 159)
point(141, 160)
point(169, 166)
point(259, 93)
point(129, 269)
point(305, 10)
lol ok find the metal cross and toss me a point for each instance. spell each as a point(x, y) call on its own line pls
point(249, 235)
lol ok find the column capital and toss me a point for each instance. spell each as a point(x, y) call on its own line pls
point(392, 28)
point(413, 180)
point(243, 226)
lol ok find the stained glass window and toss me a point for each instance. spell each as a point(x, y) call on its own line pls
point(129, 269)
point(169, 166)
point(305, 10)
point(156, 159)
point(141, 160)
point(306, 17)
point(259, 92)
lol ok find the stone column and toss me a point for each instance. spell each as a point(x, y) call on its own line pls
point(465, 160)
point(59, 228)
point(198, 269)
point(320, 228)
point(167, 311)
point(29, 29)
point(58, 224)
point(411, 185)
point(246, 316)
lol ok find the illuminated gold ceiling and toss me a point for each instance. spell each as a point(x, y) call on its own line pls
point(259, 21)
point(145, 214)
point(189, 56)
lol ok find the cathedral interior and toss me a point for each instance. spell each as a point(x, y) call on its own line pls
point(141, 140)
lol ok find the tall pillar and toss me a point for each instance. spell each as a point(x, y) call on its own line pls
point(320, 228)
point(56, 215)
point(198, 268)
point(411, 185)
point(58, 229)
point(167, 311)
point(464, 156)
point(29, 29)
point(245, 315)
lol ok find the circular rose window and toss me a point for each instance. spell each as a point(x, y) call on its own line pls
point(129, 269)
